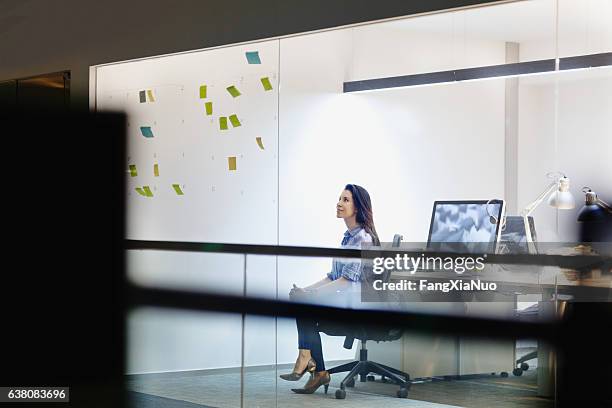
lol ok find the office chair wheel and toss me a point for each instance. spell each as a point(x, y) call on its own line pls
point(503, 374)
point(340, 394)
point(350, 383)
point(524, 366)
point(402, 393)
point(371, 378)
point(517, 371)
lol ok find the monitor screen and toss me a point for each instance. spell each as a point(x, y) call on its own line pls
point(465, 222)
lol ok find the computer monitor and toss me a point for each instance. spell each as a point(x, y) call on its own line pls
point(513, 237)
point(466, 222)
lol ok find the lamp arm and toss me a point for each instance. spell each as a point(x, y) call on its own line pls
point(531, 207)
point(604, 205)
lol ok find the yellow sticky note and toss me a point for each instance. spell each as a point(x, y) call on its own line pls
point(150, 95)
point(266, 83)
point(233, 91)
point(202, 91)
point(178, 190)
point(156, 170)
point(234, 120)
point(133, 171)
point(231, 162)
point(223, 123)
point(147, 191)
point(259, 142)
point(208, 108)
point(140, 191)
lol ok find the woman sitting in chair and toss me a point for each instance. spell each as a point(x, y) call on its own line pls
point(355, 207)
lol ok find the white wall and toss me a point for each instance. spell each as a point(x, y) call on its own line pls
point(583, 140)
point(192, 151)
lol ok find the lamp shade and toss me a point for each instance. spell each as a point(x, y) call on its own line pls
point(593, 210)
point(562, 198)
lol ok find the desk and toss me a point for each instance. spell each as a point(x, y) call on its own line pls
point(423, 355)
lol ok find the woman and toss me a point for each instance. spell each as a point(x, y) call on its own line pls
point(355, 207)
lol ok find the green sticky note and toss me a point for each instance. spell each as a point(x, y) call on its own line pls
point(146, 131)
point(253, 57)
point(233, 91)
point(147, 191)
point(141, 192)
point(266, 83)
point(178, 190)
point(231, 163)
point(133, 171)
point(143, 97)
point(150, 95)
point(223, 123)
point(202, 91)
point(208, 108)
point(234, 120)
point(156, 170)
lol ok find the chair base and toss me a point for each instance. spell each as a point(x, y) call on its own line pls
point(365, 367)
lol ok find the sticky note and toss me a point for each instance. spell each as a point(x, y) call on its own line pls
point(234, 120)
point(231, 162)
point(156, 170)
point(259, 142)
point(150, 95)
point(223, 123)
point(233, 91)
point(143, 98)
point(202, 91)
point(253, 57)
point(266, 83)
point(208, 108)
point(147, 191)
point(140, 191)
point(178, 190)
point(133, 171)
point(146, 131)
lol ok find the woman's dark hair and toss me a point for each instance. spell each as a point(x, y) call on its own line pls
point(363, 205)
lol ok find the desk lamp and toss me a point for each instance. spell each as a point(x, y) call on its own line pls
point(595, 209)
point(560, 197)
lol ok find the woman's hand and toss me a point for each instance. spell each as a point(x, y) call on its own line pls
point(295, 291)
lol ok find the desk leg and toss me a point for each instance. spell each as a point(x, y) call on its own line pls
point(547, 360)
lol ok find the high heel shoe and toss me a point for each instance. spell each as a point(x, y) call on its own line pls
point(314, 383)
point(310, 367)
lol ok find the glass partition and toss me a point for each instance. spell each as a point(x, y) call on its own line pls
point(256, 143)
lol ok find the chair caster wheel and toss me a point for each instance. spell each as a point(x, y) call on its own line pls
point(340, 394)
point(517, 372)
point(371, 378)
point(350, 383)
point(524, 366)
point(402, 393)
point(503, 374)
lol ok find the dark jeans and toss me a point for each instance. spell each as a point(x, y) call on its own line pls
point(310, 339)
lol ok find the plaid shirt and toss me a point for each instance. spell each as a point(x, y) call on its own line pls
point(350, 268)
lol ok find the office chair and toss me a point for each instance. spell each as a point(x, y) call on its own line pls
point(364, 367)
point(528, 314)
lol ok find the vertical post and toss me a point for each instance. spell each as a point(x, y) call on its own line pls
point(511, 133)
